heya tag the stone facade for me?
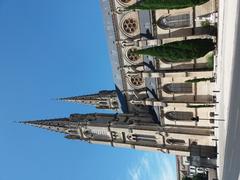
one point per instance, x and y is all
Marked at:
(157, 109)
(137, 131)
(102, 100)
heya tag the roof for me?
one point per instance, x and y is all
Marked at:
(110, 34)
(145, 32)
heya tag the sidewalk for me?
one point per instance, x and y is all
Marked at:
(228, 18)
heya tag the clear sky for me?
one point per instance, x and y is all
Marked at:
(50, 49)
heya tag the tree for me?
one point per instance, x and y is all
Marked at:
(196, 80)
(200, 177)
(210, 60)
(180, 51)
(166, 4)
(186, 178)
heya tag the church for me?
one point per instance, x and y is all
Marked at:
(158, 104)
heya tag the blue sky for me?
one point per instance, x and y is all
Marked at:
(50, 49)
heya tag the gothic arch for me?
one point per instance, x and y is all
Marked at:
(115, 104)
(173, 141)
(129, 24)
(87, 133)
(174, 21)
(72, 131)
(142, 137)
(179, 115)
(178, 88)
(126, 2)
(103, 103)
(131, 57)
(136, 81)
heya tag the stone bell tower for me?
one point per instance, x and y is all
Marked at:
(103, 100)
(136, 131)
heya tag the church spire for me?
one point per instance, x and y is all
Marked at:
(71, 125)
(127, 130)
(75, 126)
(58, 125)
(102, 100)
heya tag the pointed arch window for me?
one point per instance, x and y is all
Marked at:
(178, 88)
(141, 137)
(115, 103)
(88, 134)
(103, 103)
(179, 116)
(174, 21)
(72, 131)
(175, 141)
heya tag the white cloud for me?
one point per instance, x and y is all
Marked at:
(167, 167)
(153, 166)
(137, 171)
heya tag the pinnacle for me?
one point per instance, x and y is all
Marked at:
(57, 125)
(72, 99)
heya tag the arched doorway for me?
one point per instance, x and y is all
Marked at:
(174, 21)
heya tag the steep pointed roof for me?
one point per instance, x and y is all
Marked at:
(72, 126)
(63, 125)
(57, 125)
(90, 98)
(106, 99)
(87, 99)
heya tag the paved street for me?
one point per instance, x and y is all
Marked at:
(229, 98)
(231, 167)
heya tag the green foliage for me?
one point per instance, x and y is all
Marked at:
(200, 106)
(210, 61)
(200, 177)
(186, 178)
(166, 4)
(180, 51)
(205, 23)
(199, 80)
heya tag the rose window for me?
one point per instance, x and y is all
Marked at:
(125, 1)
(130, 25)
(136, 80)
(131, 56)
